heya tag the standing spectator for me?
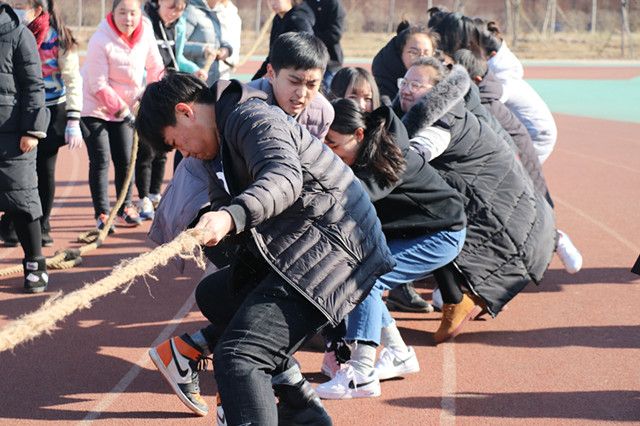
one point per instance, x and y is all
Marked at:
(329, 26)
(393, 60)
(57, 48)
(119, 53)
(204, 38)
(169, 28)
(23, 121)
(291, 16)
(231, 30)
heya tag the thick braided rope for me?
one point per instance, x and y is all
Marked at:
(43, 320)
(68, 258)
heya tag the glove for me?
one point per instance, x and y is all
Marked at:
(73, 135)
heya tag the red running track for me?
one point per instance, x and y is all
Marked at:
(566, 352)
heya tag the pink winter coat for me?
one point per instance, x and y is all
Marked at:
(114, 72)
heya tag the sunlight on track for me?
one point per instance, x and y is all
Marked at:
(448, 403)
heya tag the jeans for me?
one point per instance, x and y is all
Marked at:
(106, 139)
(415, 259)
(258, 322)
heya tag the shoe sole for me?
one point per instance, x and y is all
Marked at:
(326, 372)
(155, 357)
(10, 244)
(395, 306)
(351, 395)
(33, 290)
(470, 317)
(398, 373)
(127, 225)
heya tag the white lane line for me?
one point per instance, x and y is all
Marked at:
(595, 159)
(142, 362)
(448, 401)
(633, 247)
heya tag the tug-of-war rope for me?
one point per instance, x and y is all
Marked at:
(43, 320)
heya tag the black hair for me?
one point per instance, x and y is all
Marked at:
(298, 51)
(347, 78)
(476, 66)
(378, 151)
(157, 106)
(436, 64)
(417, 29)
(490, 35)
(65, 36)
(117, 2)
(456, 32)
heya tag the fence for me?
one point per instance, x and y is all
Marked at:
(518, 18)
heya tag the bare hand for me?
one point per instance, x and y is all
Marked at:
(214, 227)
(28, 143)
(210, 52)
(201, 74)
(223, 53)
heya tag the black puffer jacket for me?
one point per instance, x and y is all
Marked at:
(22, 112)
(510, 227)
(329, 26)
(387, 66)
(300, 19)
(310, 217)
(490, 94)
(420, 202)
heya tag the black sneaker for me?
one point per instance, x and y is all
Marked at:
(47, 241)
(179, 360)
(405, 298)
(300, 405)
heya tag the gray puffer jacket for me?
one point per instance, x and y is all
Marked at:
(510, 227)
(310, 218)
(22, 112)
(203, 29)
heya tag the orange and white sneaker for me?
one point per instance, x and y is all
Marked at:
(177, 359)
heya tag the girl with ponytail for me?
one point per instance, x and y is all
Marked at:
(424, 222)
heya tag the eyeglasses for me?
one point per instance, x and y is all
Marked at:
(417, 53)
(414, 86)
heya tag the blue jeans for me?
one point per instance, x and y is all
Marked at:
(415, 259)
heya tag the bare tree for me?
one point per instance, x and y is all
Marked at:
(625, 31)
(516, 21)
(594, 12)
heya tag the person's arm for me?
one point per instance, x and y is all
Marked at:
(267, 144)
(432, 140)
(154, 64)
(28, 72)
(96, 79)
(70, 70)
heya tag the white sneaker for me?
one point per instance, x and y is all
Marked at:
(568, 253)
(396, 364)
(155, 199)
(330, 364)
(436, 299)
(145, 209)
(348, 383)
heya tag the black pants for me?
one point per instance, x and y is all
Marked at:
(150, 167)
(450, 281)
(106, 139)
(27, 230)
(258, 322)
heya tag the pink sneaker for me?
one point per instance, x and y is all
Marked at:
(129, 218)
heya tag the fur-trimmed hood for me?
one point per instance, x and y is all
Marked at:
(440, 100)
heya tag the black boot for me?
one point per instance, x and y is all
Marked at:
(35, 274)
(300, 405)
(405, 298)
(8, 232)
(47, 241)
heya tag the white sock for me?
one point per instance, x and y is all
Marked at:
(391, 338)
(363, 357)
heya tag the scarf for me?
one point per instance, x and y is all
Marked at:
(40, 27)
(135, 36)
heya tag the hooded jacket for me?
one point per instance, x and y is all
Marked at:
(22, 112)
(510, 227)
(114, 72)
(309, 217)
(490, 93)
(387, 66)
(316, 117)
